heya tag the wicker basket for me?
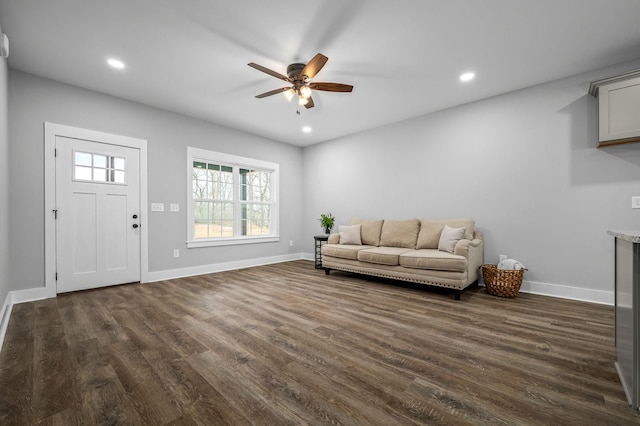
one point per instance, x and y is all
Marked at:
(502, 282)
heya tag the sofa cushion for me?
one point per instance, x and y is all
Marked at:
(449, 238)
(342, 251)
(430, 231)
(370, 231)
(400, 233)
(350, 234)
(433, 259)
(382, 255)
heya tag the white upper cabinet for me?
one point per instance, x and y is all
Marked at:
(618, 108)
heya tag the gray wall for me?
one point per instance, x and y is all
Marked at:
(4, 181)
(524, 165)
(34, 100)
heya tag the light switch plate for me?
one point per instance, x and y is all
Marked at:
(635, 202)
(157, 207)
(175, 207)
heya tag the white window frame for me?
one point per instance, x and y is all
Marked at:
(197, 154)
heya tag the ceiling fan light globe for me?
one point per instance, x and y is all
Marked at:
(288, 94)
(302, 100)
(305, 92)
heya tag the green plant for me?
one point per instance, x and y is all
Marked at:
(327, 221)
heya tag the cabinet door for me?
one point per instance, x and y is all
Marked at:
(618, 105)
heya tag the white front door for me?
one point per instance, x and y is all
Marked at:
(97, 214)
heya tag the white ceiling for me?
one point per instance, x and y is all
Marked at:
(403, 57)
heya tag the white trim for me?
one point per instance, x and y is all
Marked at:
(5, 314)
(235, 161)
(170, 274)
(51, 130)
(568, 292)
(232, 241)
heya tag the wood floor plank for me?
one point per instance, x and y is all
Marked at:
(143, 387)
(286, 344)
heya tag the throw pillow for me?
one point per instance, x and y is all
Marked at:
(350, 234)
(449, 238)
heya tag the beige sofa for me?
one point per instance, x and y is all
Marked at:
(419, 251)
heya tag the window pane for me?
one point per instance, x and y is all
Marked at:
(100, 161)
(100, 175)
(256, 219)
(200, 189)
(227, 228)
(118, 176)
(201, 216)
(199, 174)
(226, 192)
(199, 165)
(82, 173)
(82, 159)
(227, 219)
(118, 163)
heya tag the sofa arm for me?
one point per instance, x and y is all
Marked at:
(473, 250)
(463, 246)
(334, 238)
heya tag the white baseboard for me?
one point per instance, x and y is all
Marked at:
(5, 313)
(568, 292)
(220, 267)
(32, 294)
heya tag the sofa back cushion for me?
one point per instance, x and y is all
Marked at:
(400, 233)
(430, 231)
(370, 231)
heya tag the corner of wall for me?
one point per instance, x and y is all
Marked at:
(4, 195)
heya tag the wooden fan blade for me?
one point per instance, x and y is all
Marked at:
(272, 92)
(331, 87)
(270, 72)
(309, 104)
(314, 66)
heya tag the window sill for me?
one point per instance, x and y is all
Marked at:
(232, 241)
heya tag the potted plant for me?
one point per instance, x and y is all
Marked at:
(327, 221)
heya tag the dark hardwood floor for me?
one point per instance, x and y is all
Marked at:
(287, 345)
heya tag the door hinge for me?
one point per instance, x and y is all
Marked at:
(56, 276)
(55, 152)
(55, 214)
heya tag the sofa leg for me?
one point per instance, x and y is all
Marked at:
(326, 271)
(457, 294)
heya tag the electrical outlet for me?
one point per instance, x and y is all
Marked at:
(635, 202)
(176, 253)
(290, 243)
(157, 207)
(175, 207)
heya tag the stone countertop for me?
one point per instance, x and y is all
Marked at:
(627, 235)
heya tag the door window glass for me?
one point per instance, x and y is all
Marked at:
(101, 168)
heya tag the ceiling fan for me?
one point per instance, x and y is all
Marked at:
(300, 75)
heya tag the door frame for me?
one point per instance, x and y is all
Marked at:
(51, 131)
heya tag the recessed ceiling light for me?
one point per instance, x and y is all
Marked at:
(306, 129)
(116, 63)
(468, 76)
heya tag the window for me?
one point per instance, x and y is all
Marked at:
(91, 167)
(233, 199)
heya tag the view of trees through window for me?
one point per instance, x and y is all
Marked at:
(216, 204)
(256, 202)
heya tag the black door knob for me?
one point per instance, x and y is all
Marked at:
(135, 225)
(135, 216)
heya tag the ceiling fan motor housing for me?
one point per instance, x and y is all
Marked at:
(294, 71)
